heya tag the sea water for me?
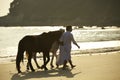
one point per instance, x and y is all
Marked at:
(86, 38)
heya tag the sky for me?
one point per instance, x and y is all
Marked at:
(4, 7)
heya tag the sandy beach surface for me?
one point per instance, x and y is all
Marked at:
(94, 67)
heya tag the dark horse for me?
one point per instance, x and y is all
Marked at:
(53, 50)
(37, 43)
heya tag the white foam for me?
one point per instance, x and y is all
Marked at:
(95, 45)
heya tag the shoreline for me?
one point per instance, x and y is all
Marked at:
(87, 52)
(86, 48)
(96, 51)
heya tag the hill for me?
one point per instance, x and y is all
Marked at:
(63, 12)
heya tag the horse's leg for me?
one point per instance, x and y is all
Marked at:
(56, 58)
(51, 63)
(45, 55)
(53, 54)
(29, 61)
(34, 57)
(27, 66)
(44, 60)
(48, 59)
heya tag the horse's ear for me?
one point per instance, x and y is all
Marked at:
(62, 30)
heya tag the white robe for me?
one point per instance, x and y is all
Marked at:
(65, 49)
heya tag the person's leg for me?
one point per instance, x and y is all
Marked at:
(64, 65)
(72, 66)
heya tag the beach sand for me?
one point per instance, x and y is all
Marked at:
(95, 67)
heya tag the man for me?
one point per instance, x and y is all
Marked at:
(65, 48)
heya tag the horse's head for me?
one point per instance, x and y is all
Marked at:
(55, 35)
(51, 36)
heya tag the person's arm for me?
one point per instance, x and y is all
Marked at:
(61, 41)
(74, 42)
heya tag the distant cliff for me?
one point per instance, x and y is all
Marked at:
(63, 12)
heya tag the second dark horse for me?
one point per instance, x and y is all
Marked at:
(36, 43)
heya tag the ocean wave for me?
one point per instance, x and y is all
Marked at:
(87, 39)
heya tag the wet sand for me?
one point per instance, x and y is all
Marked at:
(95, 67)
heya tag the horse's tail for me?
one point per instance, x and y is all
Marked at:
(20, 56)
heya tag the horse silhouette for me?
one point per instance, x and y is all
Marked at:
(53, 50)
(37, 43)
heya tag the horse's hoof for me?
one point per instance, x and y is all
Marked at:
(38, 67)
(19, 71)
(57, 66)
(45, 69)
(42, 67)
(52, 67)
(33, 70)
(28, 69)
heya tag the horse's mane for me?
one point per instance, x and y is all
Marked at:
(51, 33)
